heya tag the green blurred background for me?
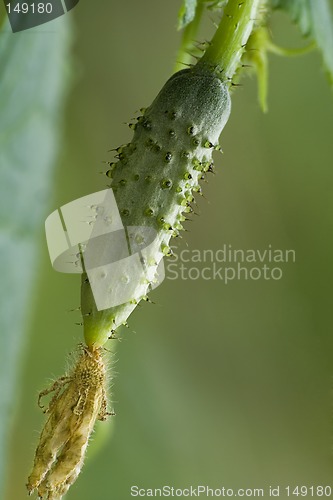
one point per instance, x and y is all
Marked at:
(225, 385)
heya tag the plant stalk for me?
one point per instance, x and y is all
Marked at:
(228, 44)
(190, 32)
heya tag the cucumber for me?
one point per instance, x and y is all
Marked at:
(157, 174)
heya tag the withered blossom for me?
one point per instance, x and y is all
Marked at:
(79, 400)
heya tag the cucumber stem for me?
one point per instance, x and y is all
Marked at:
(228, 44)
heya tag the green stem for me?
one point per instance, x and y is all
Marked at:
(291, 52)
(228, 44)
(189, 34)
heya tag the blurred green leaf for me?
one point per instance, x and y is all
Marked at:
(186, 13)
(34, 77)
(314, 18)
(299, 11)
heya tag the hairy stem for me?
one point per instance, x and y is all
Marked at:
(228, 44)
(188, 39)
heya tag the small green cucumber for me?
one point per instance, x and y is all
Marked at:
(157, 173)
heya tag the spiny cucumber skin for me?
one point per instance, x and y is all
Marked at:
(157, 172)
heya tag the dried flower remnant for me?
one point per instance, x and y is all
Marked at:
(79, 400)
